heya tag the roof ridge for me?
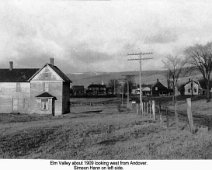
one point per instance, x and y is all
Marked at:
(17, 74)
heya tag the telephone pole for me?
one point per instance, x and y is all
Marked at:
(140, 70)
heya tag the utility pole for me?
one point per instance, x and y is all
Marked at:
(140, 70)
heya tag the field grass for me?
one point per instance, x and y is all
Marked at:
(98, 135)
(199, 107)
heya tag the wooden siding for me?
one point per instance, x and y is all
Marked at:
(46, 80)
(21, 97)
(192, 91)
(14, 97)
(55, 89)
(47, 74)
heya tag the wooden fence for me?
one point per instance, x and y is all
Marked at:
(160, 112)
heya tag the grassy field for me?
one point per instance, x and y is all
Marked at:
(107, 134)
(199, 107)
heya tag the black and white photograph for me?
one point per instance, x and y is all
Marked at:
(105, 84)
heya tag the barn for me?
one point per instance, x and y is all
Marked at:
(33, 90)
(158, 89)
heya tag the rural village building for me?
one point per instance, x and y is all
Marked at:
(78, 90)
(31, 90)
(159, 89)
(146, 90)
(192, 87)
(156, 89)
(97, 90)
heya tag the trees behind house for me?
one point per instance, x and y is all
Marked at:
(114, 84)
(174, 66)
(129, 81)
(200, 57)
(117, 87)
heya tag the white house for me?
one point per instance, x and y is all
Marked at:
(33, 90)
(192, 87)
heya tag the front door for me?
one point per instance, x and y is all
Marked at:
(53, 107)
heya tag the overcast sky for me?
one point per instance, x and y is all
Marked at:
(97, 35)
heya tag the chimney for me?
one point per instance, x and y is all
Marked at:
(157, 80)
(11, 65)
(52, 61)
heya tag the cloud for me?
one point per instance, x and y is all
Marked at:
(90, 56)
(97, 36)
(163, 36)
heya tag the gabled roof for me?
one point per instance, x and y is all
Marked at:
(60, 73)
(146, 89)
(46, 95)
(189, 81)
(159, 85)
(17, 74)
(57, 70)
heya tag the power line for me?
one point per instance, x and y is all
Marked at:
(140, 54)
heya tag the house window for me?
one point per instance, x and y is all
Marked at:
(189, 90)
(44, 104)
(156, 88)
(46, 73)
(18, 87)
(195, 90)
(46, 86)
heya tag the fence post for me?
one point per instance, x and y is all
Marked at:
(153, 109)
(150, 108)
(189, 113)
(147, 108)
(144, 105)
(160, 113)
(137, 109)
(167, 118)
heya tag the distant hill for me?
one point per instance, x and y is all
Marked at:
(148, 77)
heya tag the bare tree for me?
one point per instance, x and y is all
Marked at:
(200, 57)
(129, 83)
(114, 84)
(174, 66)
